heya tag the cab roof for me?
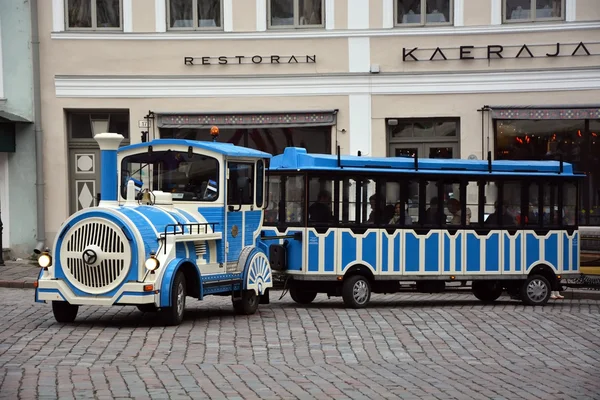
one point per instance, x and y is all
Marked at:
(226, 149)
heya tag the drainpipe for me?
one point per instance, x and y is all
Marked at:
(39, 134)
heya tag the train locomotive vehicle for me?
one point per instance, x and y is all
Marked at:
(176, 218)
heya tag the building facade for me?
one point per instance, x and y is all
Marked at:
(437, 78)
(17, 136)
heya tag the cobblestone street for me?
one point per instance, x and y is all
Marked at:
(403, 346)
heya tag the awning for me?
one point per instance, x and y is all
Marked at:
(236, 120)
(545, 112)
(5, 116)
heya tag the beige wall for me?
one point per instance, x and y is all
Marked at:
(477, 12)
(341, 14)
(375, 14)
(144, 17)
(588, 10)
(244, 16)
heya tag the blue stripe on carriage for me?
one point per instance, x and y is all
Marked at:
(349, 249)
(492, 253)
(551, 250)
(447, 253)
(432, 253)
(330, 251)
(313, 252)
(369, 244)
(473, 253)
(532, 249)
(412, 253)
(565, 252)
(384, 252)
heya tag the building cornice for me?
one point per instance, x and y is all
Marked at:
(327, 84)
(315, 34)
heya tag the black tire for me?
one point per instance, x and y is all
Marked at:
(174, 315)
(356, 291)
(248, 304)
(64, 312)
(147, 308)
(487, 291)
(535, 291)
(302, 296)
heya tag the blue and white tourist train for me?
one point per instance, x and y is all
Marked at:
(176, 218)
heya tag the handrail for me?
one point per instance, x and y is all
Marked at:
(197, 225)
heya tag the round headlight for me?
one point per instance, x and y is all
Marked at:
(45, 260)
(152, 264)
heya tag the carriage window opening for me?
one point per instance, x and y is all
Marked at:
(401, 203)
(433, 214)
(551, 214)
(272, 209)
(320, 192)
(260, 182)
(367, 201)
(503, 204)
(569, 192)
(294, 199)
(187, 178)
(240, 188)
(472, 204)
(533, 214)
(453, 204)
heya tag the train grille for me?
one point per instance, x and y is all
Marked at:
(95, 255)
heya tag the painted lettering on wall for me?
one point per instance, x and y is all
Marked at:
(236, 60)
(493, 52)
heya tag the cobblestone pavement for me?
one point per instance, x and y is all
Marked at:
(405, 346)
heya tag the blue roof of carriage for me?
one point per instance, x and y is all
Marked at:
(295, 158)
(227, 149)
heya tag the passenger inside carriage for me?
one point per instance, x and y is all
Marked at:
(320, 211)
(397, 215)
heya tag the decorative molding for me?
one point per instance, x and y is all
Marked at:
(246, 119)
(327, 84)
(228, 15)
(160, 7)
(261, 16)
(496, 17)
(323, 33)
(359, 114)
(359, 54)
(551, 113)
(127, 16)
(388, 14)
(329, 14)
(459, 12)
(358, 14)
(58, 15)
(571, 10)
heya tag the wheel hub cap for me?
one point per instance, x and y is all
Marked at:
(536, 290)
(360, 292)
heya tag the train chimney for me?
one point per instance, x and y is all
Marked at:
(109, 143)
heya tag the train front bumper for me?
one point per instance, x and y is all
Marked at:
(130, 293)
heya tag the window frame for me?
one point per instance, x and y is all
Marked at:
(424, 22)
(296, 24)
(532, 17)
(230, 198)
(94, 17)
(194, 19)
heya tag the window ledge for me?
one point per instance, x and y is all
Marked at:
(511, 28)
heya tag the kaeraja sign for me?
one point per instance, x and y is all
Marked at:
(271, 59)
(493, 52)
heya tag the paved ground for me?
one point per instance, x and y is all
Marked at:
(403, 346)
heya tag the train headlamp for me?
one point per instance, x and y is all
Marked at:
(152, 263)
(45, 260)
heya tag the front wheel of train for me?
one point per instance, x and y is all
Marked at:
(248, 304)
(535, 291)
(302, 296)
(64, 312)
(173, 315)
(356, 291)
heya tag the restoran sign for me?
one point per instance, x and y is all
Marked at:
(236, 60)
(493, 52)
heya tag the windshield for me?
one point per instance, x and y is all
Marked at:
(194, 178)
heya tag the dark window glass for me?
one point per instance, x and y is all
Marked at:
(187, 178)
(424, 128)
(320, 200)
(108, 13)
(260, 174)
(271, 140)
(274, 196)
(79, 13)
(240, 189)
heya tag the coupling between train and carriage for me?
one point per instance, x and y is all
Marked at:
(182, 218)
